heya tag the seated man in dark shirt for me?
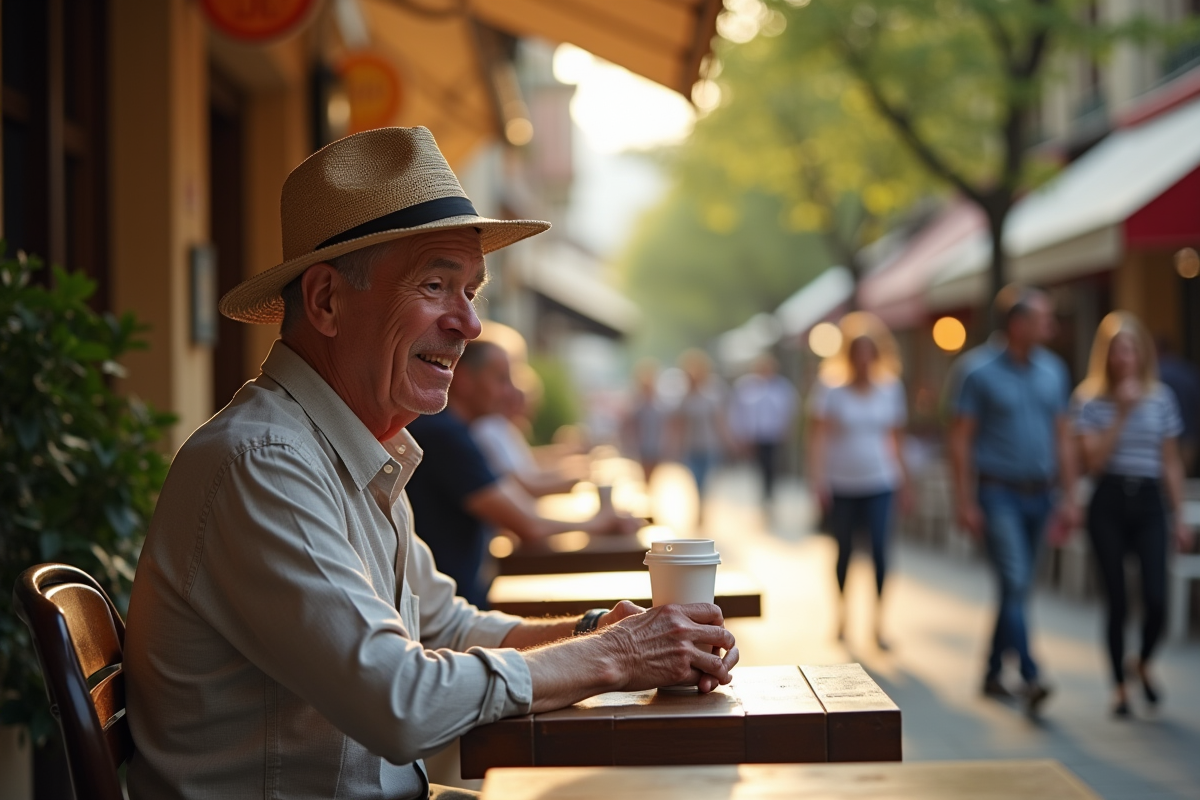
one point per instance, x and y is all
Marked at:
(457, 499)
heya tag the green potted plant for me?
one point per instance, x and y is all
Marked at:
(80, 467)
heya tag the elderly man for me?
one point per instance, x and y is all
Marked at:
(457, 497)
(1010, 430)
(288, 634)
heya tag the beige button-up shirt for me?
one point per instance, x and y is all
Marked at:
(288, 634)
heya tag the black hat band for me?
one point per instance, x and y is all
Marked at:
(411, 217)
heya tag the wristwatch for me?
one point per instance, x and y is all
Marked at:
(588, 622)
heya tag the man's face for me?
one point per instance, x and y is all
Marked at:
(1036, 327)
(406, 333)
(493, 383)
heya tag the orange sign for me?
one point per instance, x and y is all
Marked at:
(373, 88)
(257, 20)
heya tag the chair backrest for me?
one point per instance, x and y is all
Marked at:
(79, 638)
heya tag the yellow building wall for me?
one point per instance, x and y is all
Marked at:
(278, 138)
(159, 196)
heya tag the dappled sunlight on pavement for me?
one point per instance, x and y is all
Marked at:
(938, 615)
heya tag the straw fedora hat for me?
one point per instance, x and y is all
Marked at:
(368, 188)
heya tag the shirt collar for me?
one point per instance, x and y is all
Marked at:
(363, 455)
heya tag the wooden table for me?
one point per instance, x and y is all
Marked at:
(738, 594)
(954, 780)
(767, 715)
(576, 552)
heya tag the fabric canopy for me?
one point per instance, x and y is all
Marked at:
(663, 40)
(815, 301)
(571, 278)
(1076, 224)
(440, 49)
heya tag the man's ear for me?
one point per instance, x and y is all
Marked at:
(322, 284)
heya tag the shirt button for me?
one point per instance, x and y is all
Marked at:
(401, 448)
(387, 468)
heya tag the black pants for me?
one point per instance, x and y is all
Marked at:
(850, 514)
(1127, 514)
(767, 456)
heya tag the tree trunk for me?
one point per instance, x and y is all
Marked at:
(856, 269)
(998, 269)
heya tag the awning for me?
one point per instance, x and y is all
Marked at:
(663, 40)
(450, 88)
(1079, 222)
(743, 344)
(571, 279)
(896, 291)
(815, 301)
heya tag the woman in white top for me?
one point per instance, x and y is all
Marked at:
(856, 465)
(1128, 426)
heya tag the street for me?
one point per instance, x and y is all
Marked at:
(938, 618)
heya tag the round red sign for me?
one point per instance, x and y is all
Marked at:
(373, 88)
(257, 20)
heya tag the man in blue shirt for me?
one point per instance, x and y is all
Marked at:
(1010, 430)
(456, 498)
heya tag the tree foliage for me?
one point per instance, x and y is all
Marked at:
(700, 265)
(80, 467)
(957, 82)
(797, 124)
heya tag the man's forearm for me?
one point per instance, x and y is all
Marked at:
(533, 632)
(959, 468)
(568, 671)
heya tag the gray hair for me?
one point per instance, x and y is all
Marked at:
(355, 267)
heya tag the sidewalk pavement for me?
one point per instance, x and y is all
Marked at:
(938, 618)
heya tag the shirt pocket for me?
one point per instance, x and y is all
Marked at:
(410, 615)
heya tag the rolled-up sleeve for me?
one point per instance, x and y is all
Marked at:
(275, 574)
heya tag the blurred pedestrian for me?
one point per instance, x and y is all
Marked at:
(1128, 423)
(644, 424)
(501, 436)
(457, 497)
(1183, 379)
(1011, 430)
(760, 417)
(698, 422)
(857, 414)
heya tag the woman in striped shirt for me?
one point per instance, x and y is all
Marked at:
(1128, 425)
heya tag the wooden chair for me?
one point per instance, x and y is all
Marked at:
(79, 637)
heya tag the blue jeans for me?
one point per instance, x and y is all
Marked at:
(700, 463)
(1015, 524)
(849, 514)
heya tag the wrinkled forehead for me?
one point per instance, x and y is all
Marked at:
(459, 251)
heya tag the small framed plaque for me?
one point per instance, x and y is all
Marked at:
(204, 294)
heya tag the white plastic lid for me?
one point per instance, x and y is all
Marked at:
(699, 552)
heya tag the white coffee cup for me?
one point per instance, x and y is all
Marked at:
(683, 571)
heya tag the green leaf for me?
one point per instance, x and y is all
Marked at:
(89, 351)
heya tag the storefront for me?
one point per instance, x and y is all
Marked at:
(146, 143)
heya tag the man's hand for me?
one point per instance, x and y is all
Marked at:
(970, 518)
(823, 495)
(610, 521)
(673, 644)
(620, 611)
(1184, 535)
(633, 649)
(1066, 519)
(906, 497)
